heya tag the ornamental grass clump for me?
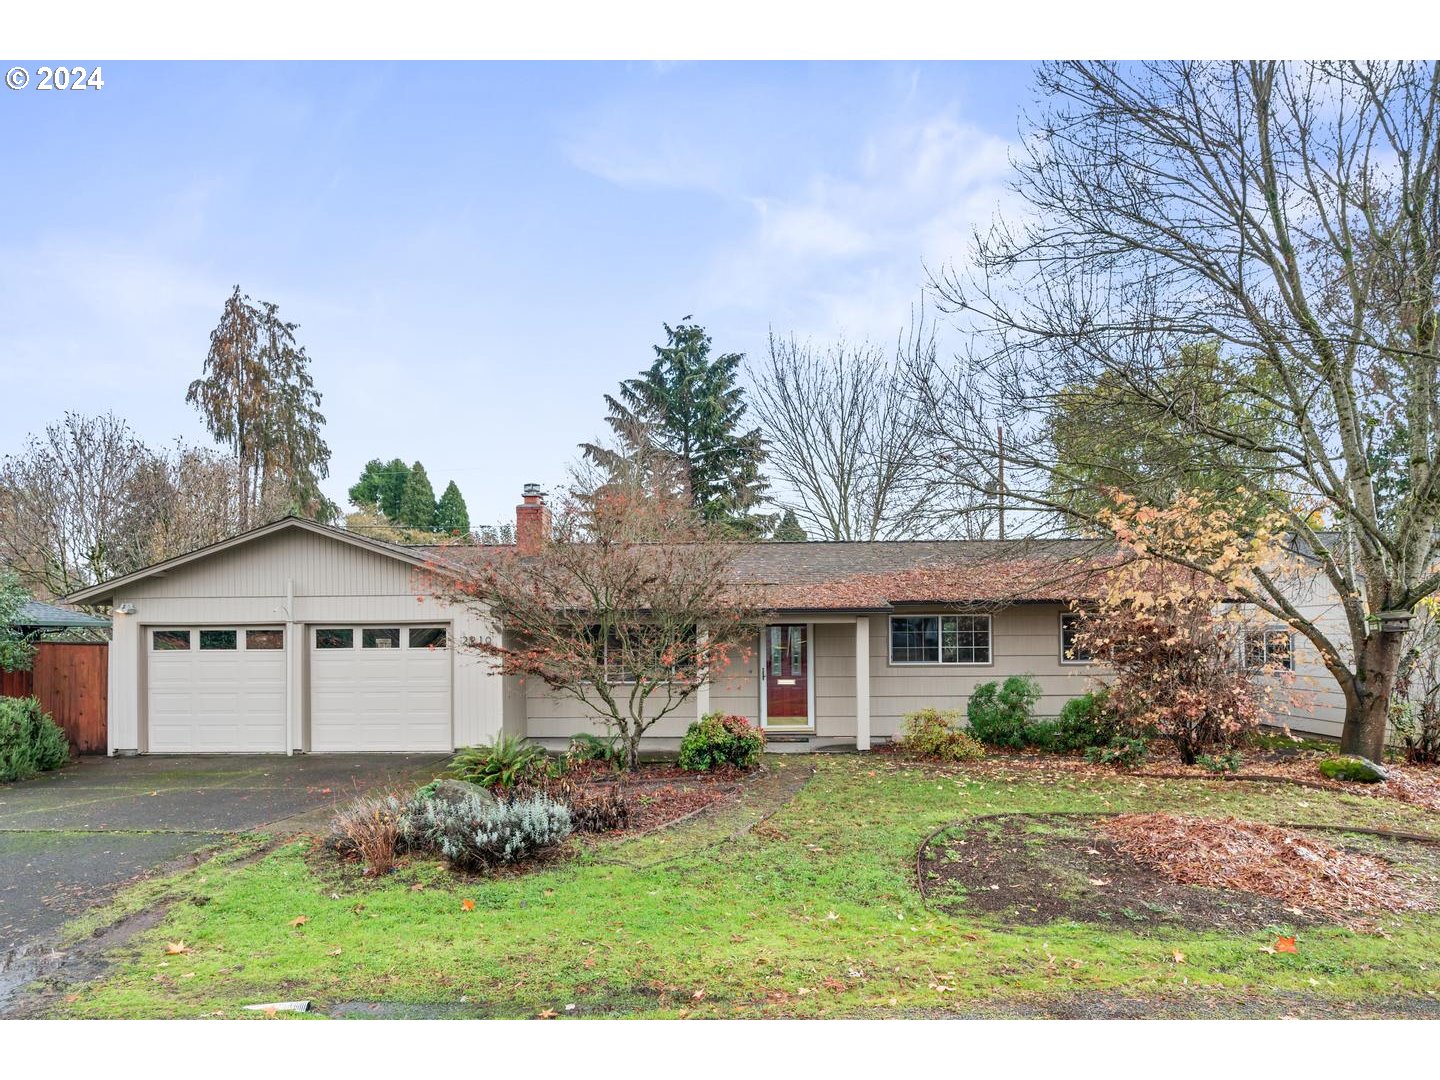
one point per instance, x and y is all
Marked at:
(369, 830)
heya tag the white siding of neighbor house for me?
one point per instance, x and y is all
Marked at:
(1309, 699)
(331, 582)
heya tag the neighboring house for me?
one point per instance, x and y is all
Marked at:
(37, 618)
(300, 637)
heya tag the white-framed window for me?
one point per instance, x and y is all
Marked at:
(940, 639)
(1270, 650)
(1071, 623)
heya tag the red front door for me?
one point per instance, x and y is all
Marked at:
(787, 676)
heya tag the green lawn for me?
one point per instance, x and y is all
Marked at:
(812, 912)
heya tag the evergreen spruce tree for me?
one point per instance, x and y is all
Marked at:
(417, 504)
(789, 530)
(451, 515)
(686, 411)
(381, 485)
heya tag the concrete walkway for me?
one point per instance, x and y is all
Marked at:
(69, 838)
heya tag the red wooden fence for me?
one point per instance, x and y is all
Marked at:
(72, 681)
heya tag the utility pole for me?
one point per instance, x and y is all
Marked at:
(1000, 443)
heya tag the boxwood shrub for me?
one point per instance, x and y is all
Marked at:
(30, 742)
(716, 740)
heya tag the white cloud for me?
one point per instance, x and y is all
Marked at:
(847, 252)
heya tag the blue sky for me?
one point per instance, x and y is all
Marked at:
(475, 252)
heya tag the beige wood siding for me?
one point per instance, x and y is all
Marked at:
(301, 579)
(1024, 640)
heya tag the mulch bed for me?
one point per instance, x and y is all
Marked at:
(1299, 870)
(654, 807)
(655, 772)
(1030, 870)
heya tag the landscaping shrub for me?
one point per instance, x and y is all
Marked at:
(1358, 769)
(931, 733)
(369, 829)
(1415, 730)
(1122, 751)
(999, 715)
(1084, 722)
(588, 747)
(474, 833)
(1173, 653)
(30, 742)
(598, 808)
(507, 763)
(1221, 763)
(717, 739)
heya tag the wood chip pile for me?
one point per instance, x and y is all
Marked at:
(1225, 853)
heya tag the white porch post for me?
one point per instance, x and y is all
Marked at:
(702, 692)
(862, 682)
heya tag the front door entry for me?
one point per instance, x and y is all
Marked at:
(787, 676)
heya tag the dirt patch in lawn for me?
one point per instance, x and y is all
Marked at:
(1032, 870)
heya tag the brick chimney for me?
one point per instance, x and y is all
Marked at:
(532, 521)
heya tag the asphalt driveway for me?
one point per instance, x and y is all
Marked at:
(68, 839)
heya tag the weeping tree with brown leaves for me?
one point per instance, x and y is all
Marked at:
(1285, 216)
(628, 608)
(257, 398)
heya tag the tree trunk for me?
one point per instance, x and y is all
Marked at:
(632, 752)
(1367, 704)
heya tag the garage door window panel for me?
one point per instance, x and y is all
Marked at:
(171, 640)
(386, 638)
(342, 638)
(263, 640)
(218, 640)
(427, 637)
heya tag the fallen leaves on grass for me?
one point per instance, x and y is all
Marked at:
(1227, 853)
(175, 948)
(547, 1014)
(1285, 944)
(467, 905)
(300, 920)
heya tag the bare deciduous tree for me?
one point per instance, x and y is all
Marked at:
(87, 500)
(63, 501)
(1289, 213)
(848, 444)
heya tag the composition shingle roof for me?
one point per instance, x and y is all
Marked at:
(870, 576)
(36, 613)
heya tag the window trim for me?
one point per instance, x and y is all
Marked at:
(188, 631)
(1288, 668)
(1065, 661)
(989, 639)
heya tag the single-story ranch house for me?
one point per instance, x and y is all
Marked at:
(299, 637)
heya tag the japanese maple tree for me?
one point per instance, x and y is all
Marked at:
(629, 607)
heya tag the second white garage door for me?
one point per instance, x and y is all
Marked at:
(382, 688)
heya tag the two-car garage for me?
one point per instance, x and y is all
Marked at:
(297, 637)
(370, 688)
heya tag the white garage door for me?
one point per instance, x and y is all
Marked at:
(216, 690)
(379, 688)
